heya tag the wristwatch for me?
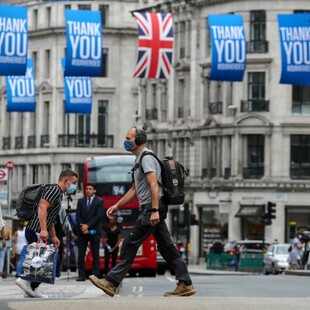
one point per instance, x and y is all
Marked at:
(154, 210)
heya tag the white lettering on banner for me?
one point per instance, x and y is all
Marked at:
(87, 47)
(22, 87)
(297, 52)
(228, 32)
(84, 28)
(12, 25)
(15, 44)
(230, 51)
(295, 33)
(79, 88)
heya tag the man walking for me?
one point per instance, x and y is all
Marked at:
(89, 215)
(151, 220)
(44, 219)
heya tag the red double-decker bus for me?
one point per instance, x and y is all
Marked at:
(112, 177)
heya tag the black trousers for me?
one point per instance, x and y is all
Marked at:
(83, 241)
(137, 236)
(107, 256)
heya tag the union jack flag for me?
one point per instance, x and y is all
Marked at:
(155, 45)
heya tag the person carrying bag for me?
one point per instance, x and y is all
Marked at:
(38, 262)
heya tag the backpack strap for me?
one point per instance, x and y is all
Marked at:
(159, 161)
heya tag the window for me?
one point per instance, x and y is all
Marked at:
(102, 121)
(258, 43)
(46, 117)
(34, 63)
(255, 150)
(255, 156)
(256, 85)
(86, 7)
(163, 103)
(216, 93)
(105, 58)
(47, 64)
(104, 14)
(301, 100)
(67, 6)
(83, 129)
(66, 122)
(48, 17)
(300, 157)
(182, 39)
(301, 11)
(151, 109)
(256, 93)
(181, 92)
(35, 19)
(79, 168)
(35, 174)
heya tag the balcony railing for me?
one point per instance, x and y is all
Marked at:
(253, 172)
(45, 141)
(6, 143)
(32, 142)
(216, 107)
(204, 173)
(19, 142)
(151, 114)
(300, 173)
(257, 46)
(85, 140)
(255, 105)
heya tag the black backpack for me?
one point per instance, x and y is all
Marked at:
(28, 200)
(173, 176)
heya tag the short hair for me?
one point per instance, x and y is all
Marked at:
(67, 173)
(91, 184)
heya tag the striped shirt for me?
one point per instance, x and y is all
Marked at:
(53, 194)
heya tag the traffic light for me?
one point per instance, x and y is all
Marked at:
(265, 219)
(271, 210)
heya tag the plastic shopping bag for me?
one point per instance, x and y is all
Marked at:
(39, 263)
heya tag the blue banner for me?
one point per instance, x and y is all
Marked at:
(13, 40)
(78, 94)
(294, 31)
(228, 47)
(84, 43)
(21, 91)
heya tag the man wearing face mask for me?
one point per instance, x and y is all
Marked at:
(151, 220)
(42, 224)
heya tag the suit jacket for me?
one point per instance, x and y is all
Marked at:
(92, 217)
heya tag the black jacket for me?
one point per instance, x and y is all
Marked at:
(92, 217)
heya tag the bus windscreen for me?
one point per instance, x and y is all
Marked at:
(112, 175)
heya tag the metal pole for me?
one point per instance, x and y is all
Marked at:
(187, 225)
(9, 183)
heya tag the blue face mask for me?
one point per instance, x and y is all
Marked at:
(128, 145)
(71, 189)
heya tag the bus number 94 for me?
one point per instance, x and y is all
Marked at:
(118, 190)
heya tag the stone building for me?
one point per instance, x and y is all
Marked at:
(41, 144)
(244, 143)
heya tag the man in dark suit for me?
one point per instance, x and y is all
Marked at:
(89, 214)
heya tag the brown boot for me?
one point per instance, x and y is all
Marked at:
(104, 285)
(181, 290)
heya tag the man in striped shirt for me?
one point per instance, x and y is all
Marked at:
(42, 223)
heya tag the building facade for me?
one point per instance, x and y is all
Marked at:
(243, 143)
(41, 144)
